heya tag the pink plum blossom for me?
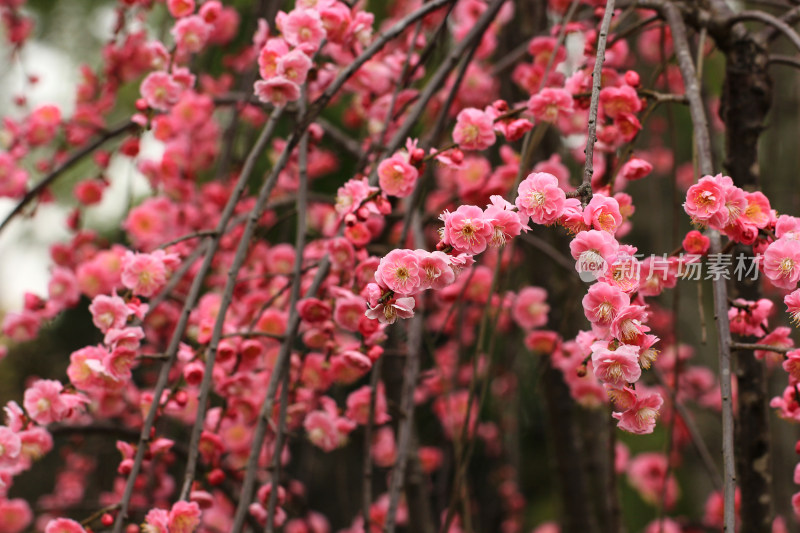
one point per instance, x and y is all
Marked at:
(397, 176)
(10, 446)
(540, 198)
(781, 263)
(277, 91)
(399, 270)
(617, 367)
(474, 130)
(530, 308)
(640, 418)
(302, 28)
(467, 229)
(549, 104)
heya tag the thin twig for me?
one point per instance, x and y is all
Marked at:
(266, 407)
(405, 427)
(585, 188)
(437, 80)
(205, 387)
(276, 452)
(761, 347)
(66, 165)
(694, 433)
(366, 484)
(705, 163)
(191, 299)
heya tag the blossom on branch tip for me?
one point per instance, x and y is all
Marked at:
(540, 198)
(474, 130)
(617, 367)
(466, 229)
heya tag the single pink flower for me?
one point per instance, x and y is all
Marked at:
(592, 250)
(602, 213)
(602, 303)
(617, 367)
(696, 243)
(302, 28)
(156, 521)
(704, 199)
(540, 198)
(191, 33)
(144, 274)
(44, 402)
(277, 91)
(530, 308)
(10, 446)
(435, 270)
(184, 517)
(389, 312)
(466, 229)
(640, 418)
(160, 91)
(734, 205)
(757, 212)
(635, 169)
(550, 104)
(396, 176)
(321, 430)
(294, 66)
(384, 447)
(180, 8)
(270, 56)
(792, 365)
(474, 130)
(781, 263)
(109, 312)
(792, 301)
(618, 100)
(506, 222)
(399, 271)
(780, 338)
(358, 405)
(627, 326)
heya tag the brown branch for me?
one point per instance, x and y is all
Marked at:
(366, 483)
(191, 299)
(205, 386)
(597, 77)
(766, 18)
(703, 142)
(406, 424)
(66, 165)
(276, 452)
(694, 433)
(778, 59)
(762, 347)
(437, 80)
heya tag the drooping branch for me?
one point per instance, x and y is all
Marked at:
(405, 428)
(246, 494)
(205, 386)
(180, 327)
(705, 163)
(438, 79)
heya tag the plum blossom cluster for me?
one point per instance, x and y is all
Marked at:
(176, 302)
(284, 61)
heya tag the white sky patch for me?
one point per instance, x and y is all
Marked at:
(57, 74)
